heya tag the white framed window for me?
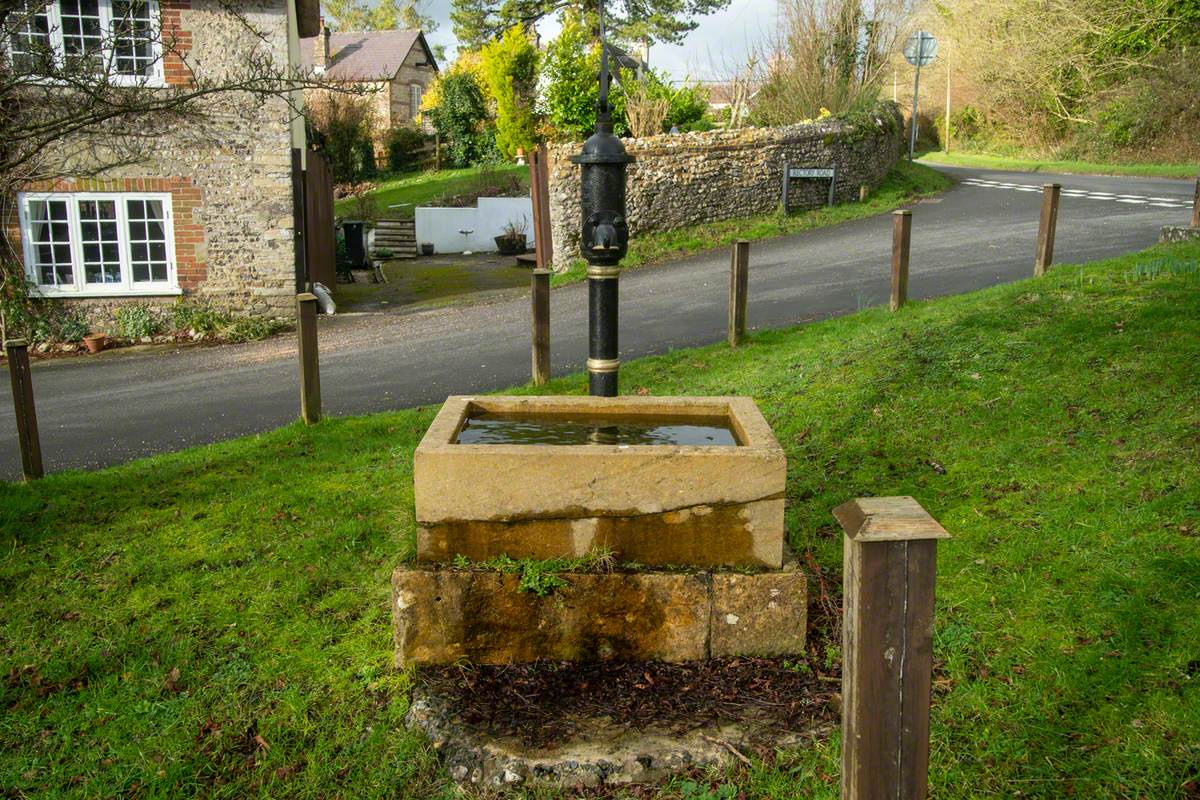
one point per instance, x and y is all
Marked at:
(414, 100)
(121, 36)
(98, 244)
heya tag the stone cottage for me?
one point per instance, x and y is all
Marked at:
(394, 67)
(210, 211)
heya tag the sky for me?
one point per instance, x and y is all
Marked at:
(711, 52)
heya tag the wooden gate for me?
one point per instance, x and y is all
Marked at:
(319, 251)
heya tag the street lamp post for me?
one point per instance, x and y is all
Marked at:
(604, 237)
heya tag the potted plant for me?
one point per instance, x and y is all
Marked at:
(511, 242)
(94, 342)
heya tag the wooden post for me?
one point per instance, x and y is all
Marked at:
(1049, 220)
(787, 171)
(22, 391)
(862, 193)
(1196, 205)
(310, 371)
(539, 194)
(541, 325)
(889, 569)
(739, 280)
(901, 238)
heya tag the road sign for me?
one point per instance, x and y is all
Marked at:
(920, 48)
(790, 172)
(810, 172)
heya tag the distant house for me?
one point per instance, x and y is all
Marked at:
(397, 65)
(724, 94)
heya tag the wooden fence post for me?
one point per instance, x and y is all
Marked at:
(310, 371)
(539, 194)
(1196, 205)
(739, 280)
(541, 325)
(1049, 220)
(901, 239)
(862, 193)
(889, 569)
(22, 391)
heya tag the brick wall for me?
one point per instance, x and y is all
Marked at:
(686, 179)
(177, 41)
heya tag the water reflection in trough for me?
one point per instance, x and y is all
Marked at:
(485, 428)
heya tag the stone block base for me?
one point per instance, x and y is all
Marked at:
(736, 535)
(442, 616)
(1173, 233)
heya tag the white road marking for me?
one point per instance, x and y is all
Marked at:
(1087, 194)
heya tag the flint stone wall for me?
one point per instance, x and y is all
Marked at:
(1175, 233)
(678, 180)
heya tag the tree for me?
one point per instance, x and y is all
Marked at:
(385, 15)
(458, 112)
(343, 127)
(827, 55)
(476, 21)
(510, 70)
(571, 89)
(1037, 69)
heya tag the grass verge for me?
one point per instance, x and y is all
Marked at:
(987, 161)
(905, 183)
(215, 622)
(422, 188)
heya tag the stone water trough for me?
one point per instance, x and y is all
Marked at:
(685, 494)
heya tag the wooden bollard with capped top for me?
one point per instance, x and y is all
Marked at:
(1046, 226)
(889, 569)
(739, 282)
(1196, 205)
(540, 291)
(28, 440)
(901, 239)
(310, 371)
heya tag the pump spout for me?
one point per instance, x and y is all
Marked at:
(604, 238)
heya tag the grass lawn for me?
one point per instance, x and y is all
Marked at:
(905, 183)
(986, 161)
(421, 187)
(215, 622)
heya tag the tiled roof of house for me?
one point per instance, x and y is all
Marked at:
(720, 94)
(363, 55)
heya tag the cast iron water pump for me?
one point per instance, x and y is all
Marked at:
(605, 234)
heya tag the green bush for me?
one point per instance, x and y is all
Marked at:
(572, 92)
(460, 118)
(199, 317)
(701, 125)
(404, 145)
(247, 329)
(688, 105)
(510, 69)
(72, 325)
(342, 128)
(136, 321)
(17, 306)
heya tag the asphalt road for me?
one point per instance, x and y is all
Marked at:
(105, 410)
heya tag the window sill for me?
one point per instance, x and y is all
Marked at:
(56, 294)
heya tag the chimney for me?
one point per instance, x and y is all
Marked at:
(321, 48)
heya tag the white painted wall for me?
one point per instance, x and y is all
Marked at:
(442, 225)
